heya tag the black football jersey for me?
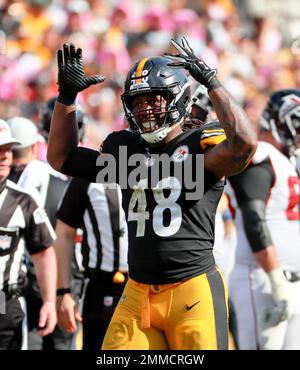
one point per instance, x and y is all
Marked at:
(171, 229)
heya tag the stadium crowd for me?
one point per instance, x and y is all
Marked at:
(252, 53)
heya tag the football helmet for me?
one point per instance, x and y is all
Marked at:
(201, 104)
(166, 93)
(281, 116)
(46, 114)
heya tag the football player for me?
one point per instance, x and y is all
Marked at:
(175, 297)
(45, 120)
(265, 282)
(225, 235)
(46, 114)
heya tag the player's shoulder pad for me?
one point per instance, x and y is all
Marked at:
(261, 154)
(212, 133)
(117, 138)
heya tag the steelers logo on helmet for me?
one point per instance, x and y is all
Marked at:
(281, 116)
(156, 98)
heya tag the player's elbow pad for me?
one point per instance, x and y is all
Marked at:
(255, 225)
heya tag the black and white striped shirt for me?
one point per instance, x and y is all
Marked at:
(22, 224)
(98, 211)
(42, 182)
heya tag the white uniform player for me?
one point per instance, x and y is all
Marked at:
(258, 294)
(249, 287)
(225, 238)
(224, 252)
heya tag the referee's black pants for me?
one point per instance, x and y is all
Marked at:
(101, 298)
(57, 340)
(11, 325)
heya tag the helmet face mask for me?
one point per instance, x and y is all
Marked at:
(156, 97)
(281, 117)
(149, 111)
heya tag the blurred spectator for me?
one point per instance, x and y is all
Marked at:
(244, 42)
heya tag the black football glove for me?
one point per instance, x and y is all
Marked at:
(71, 76)
(196, 67)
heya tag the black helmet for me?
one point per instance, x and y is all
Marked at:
(46, 115)
(153, 75)
(281, 116)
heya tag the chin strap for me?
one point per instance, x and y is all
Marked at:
(158, 135)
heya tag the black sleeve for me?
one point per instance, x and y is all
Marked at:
(252, 188)
(254, 182)
(38, 233)
(82, 162)
(73, 203)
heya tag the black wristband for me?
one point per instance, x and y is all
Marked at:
(66, 100)
(63, 291)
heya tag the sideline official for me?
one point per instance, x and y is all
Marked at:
(22, 224)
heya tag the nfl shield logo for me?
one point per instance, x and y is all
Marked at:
(108, 301)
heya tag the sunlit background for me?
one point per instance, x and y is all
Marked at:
(254, 44)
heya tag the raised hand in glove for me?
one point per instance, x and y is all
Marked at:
(71, 76)
(196, 67)
(282, 309)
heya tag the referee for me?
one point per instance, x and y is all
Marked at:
(47, 187)
(98, 211)
(22, 224)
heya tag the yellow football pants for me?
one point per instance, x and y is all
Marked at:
(183, 316)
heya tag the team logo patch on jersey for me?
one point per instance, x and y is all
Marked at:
(181, 153)
(5, 241)
(108, 301)
(40, 216)
(8, 240)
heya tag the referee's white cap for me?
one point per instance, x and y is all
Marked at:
(5, 134)
(24, 131)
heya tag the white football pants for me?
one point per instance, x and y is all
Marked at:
(250, 292)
